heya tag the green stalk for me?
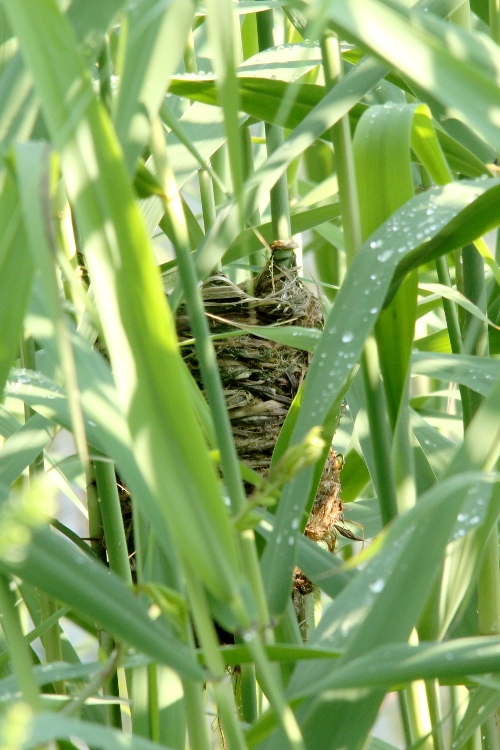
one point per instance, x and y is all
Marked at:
(248, 693)
(190, 62)
(154, 714)
(28, 360)
(256, 258)
(405, 716)
(280, 204)
(340, 135)
(110, 680)
(449, 307)
(435, 713)
(52, 637)
(207, 199)
(196, 719)
(207, 637)
(419, 716)
(112, 520)
(488, 588)
(475, 290)
(494, 14)
(117, 553)
(220, 168)
(94, 511)
(383, 480)
(22, 665)
(104, 63)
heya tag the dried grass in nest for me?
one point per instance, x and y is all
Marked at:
(261, 378)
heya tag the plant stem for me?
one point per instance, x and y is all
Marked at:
(119, 563)
(208, 638)
(196, 719)
(419, 715)
(488, 588)
(207, 199)
(220, 168)
(434, 703)
(383, 480)
(52, 637)
(94, 511)
(340, 135)
(280, 204)
(449, 307)
(112, 520)
(190, 62)
(494, 13)
(477, 343)
(104, 63)
(248, 693)
(19, 650)
(28, 360)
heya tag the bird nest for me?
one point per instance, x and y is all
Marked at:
(261, 378)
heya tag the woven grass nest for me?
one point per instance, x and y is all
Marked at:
(261, 378)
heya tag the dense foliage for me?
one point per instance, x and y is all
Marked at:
(153, 145)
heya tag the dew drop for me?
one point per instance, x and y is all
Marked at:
(347, 337)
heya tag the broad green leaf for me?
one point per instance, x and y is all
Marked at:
(382, 151)
(262, 98)
(60, 570)
(319, 565)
